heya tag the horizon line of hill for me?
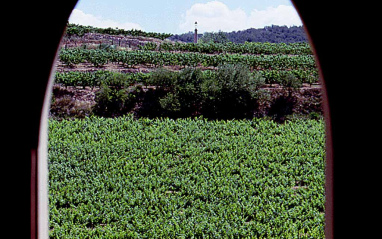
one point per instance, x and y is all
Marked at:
(271, 34)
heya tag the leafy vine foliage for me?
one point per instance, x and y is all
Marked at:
(186, 178)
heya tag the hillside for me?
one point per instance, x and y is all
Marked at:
(272, 34)
(153, 77)
(77, 34)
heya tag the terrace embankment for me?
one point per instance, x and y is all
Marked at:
(276, 101)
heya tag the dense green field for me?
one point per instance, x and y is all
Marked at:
(186, 178)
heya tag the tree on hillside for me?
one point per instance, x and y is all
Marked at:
(215, 37)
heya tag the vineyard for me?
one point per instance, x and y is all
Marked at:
(278, 66)
(186, 178)
(96, 78)
(150, 138)
(99, 58)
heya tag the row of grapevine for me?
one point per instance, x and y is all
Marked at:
(96, 78)
(130, 58)
(246, 48)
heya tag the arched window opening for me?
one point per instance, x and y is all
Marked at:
(152, 134)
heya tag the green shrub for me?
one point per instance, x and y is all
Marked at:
(115, 97)
(290, 82)
(162, 78)
(182, 91)
(231, 93)
(188, 89)
(170, 103)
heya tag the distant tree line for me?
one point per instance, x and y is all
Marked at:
(80, 30)
(272, 34)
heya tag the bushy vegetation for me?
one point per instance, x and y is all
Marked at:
(183, 94)
(230, 92)
(186, 178)
(115, 97)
